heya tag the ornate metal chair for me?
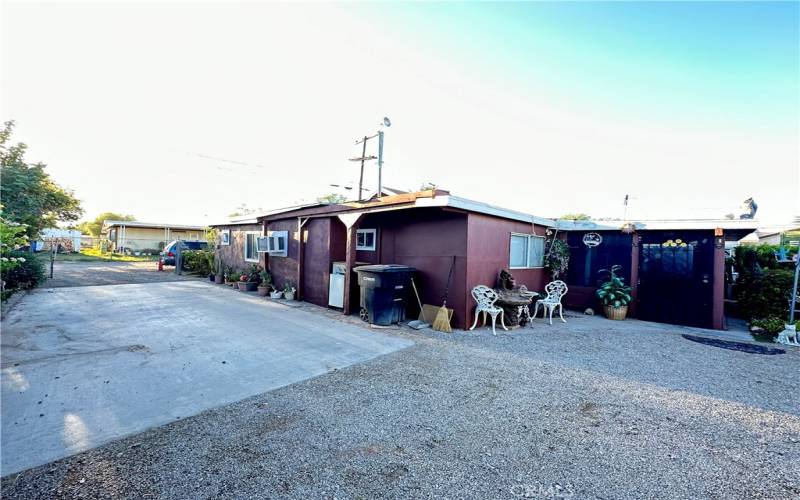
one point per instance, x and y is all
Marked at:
(554, 290)
(486, 297)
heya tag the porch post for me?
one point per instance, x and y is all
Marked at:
(351, 222)
(301, 257)
(718, 295)
(634, 272)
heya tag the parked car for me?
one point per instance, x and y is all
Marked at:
(168, 254)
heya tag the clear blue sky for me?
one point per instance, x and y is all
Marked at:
(712, 61)
(547, 108)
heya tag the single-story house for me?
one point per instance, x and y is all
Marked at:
(147, 236)
(676, 268)
(428, 230)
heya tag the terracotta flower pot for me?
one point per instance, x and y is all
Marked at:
(263, 291)
(219, 279)
(247, 286)
(616, 313)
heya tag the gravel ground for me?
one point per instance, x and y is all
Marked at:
(591, 409)
(66, 273)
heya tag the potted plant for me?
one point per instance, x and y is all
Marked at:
(248, 281)
(275, 294)
(231, 277)
(288, 290)
(614, 295)
(266, 283)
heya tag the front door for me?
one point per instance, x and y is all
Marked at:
(676, 277)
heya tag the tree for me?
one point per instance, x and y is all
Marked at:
(29, 195)
(576, 216)
(94, 227)
(332, 199)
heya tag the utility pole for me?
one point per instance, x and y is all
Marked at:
(362, 159)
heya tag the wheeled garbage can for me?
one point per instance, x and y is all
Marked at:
(384, 291)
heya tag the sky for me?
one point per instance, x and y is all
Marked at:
(186, 112)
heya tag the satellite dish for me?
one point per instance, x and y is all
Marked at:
(386, 122)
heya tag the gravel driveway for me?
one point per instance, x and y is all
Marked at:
(591, 409)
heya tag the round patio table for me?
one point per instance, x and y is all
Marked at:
(515, 307)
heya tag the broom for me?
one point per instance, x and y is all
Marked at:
(442, 321)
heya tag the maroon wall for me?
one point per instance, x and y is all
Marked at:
(426, 239)
(233, 255)
(284, 268)
(488, 252)
(317, 262)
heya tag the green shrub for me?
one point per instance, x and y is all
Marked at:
(613, 292)
(198, 261)
(766, 294)
(557, 258)
(27, 273)
(771, 325)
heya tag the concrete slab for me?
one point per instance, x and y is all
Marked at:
(83, 366)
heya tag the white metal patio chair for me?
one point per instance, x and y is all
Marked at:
(554, 290)
(486, 297)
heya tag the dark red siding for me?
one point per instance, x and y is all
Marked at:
(317, 262)
(284, 269)
(426, 239)
(488, 253)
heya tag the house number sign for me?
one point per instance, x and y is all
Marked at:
(592, 239)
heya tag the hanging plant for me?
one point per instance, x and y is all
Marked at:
(557, 258)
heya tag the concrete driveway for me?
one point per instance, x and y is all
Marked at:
(85, 365)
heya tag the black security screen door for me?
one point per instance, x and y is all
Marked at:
(676, 276)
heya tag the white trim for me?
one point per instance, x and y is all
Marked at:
(222, 240)
(482, 208)
(527, 255)
(274, 236)
(374, 239)
(255, 250)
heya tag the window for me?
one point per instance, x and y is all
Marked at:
(275, 243)
(225, 237)
(365, 239)
(527, 251)
(250, 240)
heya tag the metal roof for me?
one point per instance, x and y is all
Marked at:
(153, 225)
(660, 224)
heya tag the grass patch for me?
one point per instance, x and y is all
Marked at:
(94, 255)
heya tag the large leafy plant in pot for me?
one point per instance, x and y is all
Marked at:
(614, 295)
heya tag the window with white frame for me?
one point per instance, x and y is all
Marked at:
(225, 237)
(527, 251)
(275, 243)
(365, 239)
(250, 246)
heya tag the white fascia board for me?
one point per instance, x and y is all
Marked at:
(482, 208)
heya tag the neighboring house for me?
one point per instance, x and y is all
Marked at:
(68, 239)
(136, 236)
(788, 234)
(676, 268)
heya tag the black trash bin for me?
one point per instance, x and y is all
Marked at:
(384, 291)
